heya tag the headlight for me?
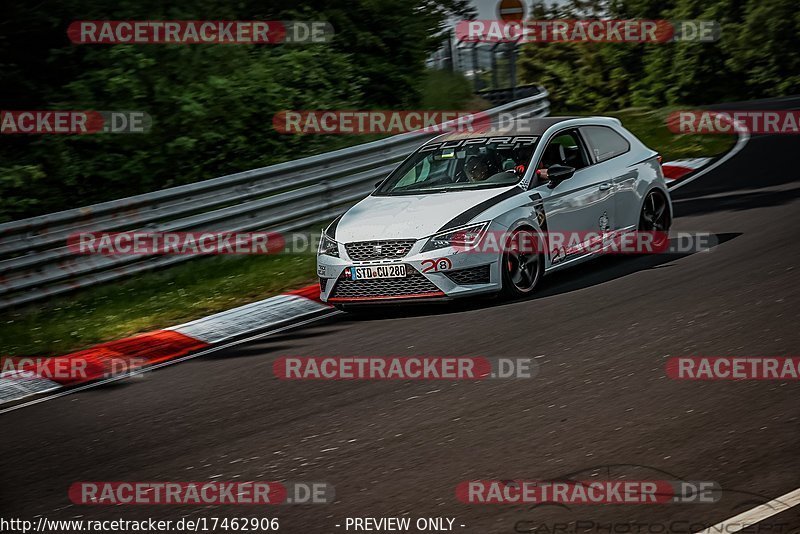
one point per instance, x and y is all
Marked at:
(328, 246)
(463, 238)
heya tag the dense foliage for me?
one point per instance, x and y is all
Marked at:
(757, 55)
(211, 105)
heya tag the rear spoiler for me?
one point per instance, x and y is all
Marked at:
(612, 119)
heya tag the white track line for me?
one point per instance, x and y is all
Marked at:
(744, 137)
(164, 364)
(756, 515)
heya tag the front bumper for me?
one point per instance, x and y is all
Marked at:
(437, 274)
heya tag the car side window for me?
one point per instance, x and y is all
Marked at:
(604, 142)
(564, 149)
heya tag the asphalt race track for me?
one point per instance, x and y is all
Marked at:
(601, 403)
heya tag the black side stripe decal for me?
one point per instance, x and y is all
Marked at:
(474, 211)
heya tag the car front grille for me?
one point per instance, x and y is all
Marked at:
(378, 250)
(473, 275)
(414, 284)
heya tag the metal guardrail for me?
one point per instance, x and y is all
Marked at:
(508, 94)
(35, 262)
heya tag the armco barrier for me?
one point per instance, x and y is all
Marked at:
(35, 262)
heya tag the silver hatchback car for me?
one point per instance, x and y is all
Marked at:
(448, 221)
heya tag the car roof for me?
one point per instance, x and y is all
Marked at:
(523, 127)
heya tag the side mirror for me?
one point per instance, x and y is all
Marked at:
(378, 184)
(559, 173)
(554, 175)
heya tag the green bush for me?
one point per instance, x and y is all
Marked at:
(444, 90)
(757, 56)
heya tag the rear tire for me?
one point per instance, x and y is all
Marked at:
(655, 217)
(521, 267)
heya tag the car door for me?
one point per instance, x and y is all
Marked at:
(611, 151)
(580, 207)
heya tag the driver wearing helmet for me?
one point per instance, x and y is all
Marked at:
(479, 167)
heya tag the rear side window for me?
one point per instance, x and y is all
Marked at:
(604, 142)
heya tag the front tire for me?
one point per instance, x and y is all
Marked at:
(522, 265)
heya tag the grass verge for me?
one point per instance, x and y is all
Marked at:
(149, 301)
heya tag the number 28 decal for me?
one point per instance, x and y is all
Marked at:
(437, 265)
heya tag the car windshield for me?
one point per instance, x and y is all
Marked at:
(463, 164)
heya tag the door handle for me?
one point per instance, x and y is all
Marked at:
(605, 187)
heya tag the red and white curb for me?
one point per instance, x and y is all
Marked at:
(151, 348)
(682, 172)
(272, 311)
(704, 167)
(675, 170)
(15, 385)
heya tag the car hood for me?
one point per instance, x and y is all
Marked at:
(408, 216)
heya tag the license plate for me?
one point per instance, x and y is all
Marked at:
(378, 271)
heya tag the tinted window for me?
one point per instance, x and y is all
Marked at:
(564, 149)
(604, 142)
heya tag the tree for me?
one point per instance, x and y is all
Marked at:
(211, 105)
